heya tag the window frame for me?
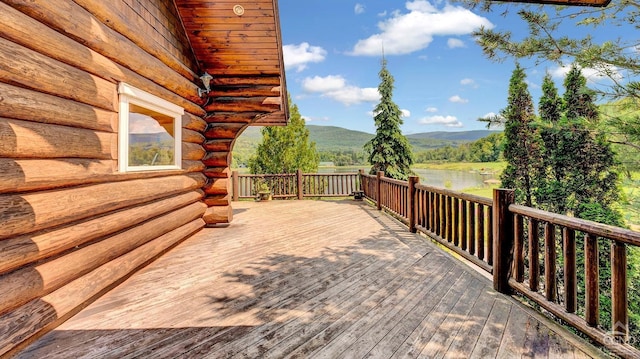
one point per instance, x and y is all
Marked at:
(130, 95)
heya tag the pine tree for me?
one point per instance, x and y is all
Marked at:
(591, 178)
(551, 192)
(389, 151)
(285, 149)
(522, 144)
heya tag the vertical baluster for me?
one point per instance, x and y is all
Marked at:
(619, 310)
(550, 261)
(592, 291)
(472, 220)
(570, 275)
(441, 206)
(455, 225)
(489, 224)
(518, 249)
(448, 216)
(480, 232)
(463, 225)
(534, 260)
(432, 211)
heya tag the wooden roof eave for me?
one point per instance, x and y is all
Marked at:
(243, 53)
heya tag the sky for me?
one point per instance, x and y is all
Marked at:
(333, 51)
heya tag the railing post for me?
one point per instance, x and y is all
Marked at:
(360, 181)
(619, 307)
(379, 189)
(235, 182)
(502, 239)
(300, 188)
(411, 203)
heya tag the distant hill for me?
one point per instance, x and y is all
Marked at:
(333, 138)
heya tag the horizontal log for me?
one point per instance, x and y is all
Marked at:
(193, 166)
(192, 151)
(20, 28)
(218, 186)
(29, 283)
(18, 251)
(217, 159)
(20, 327)
(23, 104)
(218, 215)
(224, 130)
(246, 91)
(231, 117)
(278, 118)
(193, 122)
(218, 145)
(22, 66)
(21, 175)
(242, 105)
(218, 200)
(30, 212)
(192, 136)
(110, 13)
(25, 139)
(217, 172)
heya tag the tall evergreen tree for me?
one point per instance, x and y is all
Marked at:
(389, 151)
(591, 179)
(285, 149)
(522, 144)
(551, 193)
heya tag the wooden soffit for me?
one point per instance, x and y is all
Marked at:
(238, 42)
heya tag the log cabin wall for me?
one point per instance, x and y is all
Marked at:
(72, 225)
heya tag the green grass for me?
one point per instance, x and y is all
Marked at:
(464, 166)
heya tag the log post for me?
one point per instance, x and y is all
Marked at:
(591, 282)
(235, 182)
(300, 184)
(361, 182)
(379, 176)
(411, 203)
(503, 227)
(619, 315)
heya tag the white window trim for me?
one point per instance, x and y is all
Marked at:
(129, 94)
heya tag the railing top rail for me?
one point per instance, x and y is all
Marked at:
(395, 181)
(465, 196)
(599, 229)
(266, 175)
(331, 174)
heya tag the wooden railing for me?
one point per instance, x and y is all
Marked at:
(515, 243)
(295, 185)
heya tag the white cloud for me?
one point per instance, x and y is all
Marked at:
(457, 99)
(299, 56)
(336, 87)
(144, 124)
(467, 82)
(406, 113)
(448, 121)
(592, 75)
(453, 43)
(489, 115)
(403, 33)
(359, 9)
(431, 109)
(315, 119)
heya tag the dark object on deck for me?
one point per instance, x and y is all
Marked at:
(359, 195)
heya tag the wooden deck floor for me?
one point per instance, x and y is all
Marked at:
(307, 279)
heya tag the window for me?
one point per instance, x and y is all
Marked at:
(149, 132)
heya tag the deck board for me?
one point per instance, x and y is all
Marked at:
(307, 279)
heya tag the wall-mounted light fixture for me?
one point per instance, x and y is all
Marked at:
(206, 81)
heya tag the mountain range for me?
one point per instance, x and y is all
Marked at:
(333, 138)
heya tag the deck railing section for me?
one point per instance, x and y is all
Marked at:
(545, 269)
(515, 243)
(295, 185)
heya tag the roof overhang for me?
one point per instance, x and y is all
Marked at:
(239, 43)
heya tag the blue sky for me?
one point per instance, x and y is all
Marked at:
(443, 82)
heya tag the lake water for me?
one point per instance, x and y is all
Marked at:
(454, 180)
